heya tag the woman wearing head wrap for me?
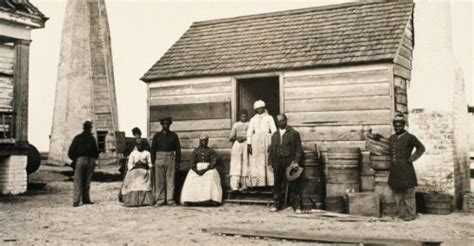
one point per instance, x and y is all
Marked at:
(259, 133)
(203, 184)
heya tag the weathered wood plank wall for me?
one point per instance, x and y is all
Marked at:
(197, 106)
(334, 107)
(402, 70)
(7, 64)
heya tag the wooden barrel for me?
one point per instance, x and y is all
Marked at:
(312, 182)
(380, 162)
(335, 204)
(342, 171)
(377, 147)
(436, 203)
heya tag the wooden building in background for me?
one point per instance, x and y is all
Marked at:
(335, 71)
(17, 19)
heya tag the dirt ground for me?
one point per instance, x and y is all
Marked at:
(45, 216)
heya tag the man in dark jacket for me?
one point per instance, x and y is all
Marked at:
(402, 178)
(83, 151)
(285, 150)
(166, 155)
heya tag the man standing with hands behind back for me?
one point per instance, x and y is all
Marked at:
(166, 155)
(285, 150)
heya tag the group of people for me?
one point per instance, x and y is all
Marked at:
(264, 154)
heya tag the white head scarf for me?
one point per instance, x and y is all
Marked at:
(258, 104)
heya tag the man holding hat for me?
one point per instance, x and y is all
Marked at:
(286, 153)
(402, 178)
(166, 155)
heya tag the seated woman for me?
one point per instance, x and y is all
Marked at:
(203, 184)
(136, 188)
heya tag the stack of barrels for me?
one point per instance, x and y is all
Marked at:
(381, 165)
(312, 182)
(438, 203)
(342, 176)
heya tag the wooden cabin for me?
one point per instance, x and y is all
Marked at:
(335, 71)
(17, 19)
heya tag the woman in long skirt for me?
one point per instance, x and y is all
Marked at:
(136, 188)
(259, 133)
(239, 161)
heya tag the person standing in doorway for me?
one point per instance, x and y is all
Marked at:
(261, 128)
(402, 177)
(286, 150)
(84, 152)
(239, 161)
(166, 155)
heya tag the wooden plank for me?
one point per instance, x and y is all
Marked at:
(188, 99)
(332, 91)
(337, 104)
(405, 52)
(216, 143)
(177, 82)
(340, 133)
(197, 111)
(191, 89)
(401, 108)
(400, 98)
(195, 125)
(339, 69)
(102, 102)
(324, 145)
(407, 43)
(404, 62)
(317, 237)
(210, 133)
(337, 78)
(401, 71)
(400, 91)
(102, 109)
(361, 117)
(400, 82)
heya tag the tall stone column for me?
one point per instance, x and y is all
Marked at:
(85, 88)
(438, 103)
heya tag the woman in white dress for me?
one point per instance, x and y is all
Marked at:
(203, 183)
(239, 161)
(261, 128)
(136, 188)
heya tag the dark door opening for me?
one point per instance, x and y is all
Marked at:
(251, 90)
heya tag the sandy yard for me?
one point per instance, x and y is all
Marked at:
(45, 216)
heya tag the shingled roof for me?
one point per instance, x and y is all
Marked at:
(295, 39)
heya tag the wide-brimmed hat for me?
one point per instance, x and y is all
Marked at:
(293, 172)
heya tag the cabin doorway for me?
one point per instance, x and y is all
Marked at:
(253, 89)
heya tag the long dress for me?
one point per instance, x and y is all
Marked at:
(239, 161)
(259, 134)
(205, 189)
(136, 188)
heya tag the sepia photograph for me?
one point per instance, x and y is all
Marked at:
(236, 122)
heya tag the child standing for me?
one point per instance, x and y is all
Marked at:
(239, 162)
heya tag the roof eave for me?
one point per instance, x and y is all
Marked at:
(152, 79)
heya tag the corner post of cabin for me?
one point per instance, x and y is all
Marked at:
(22, 50)
(234, 101)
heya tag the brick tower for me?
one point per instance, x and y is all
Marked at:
(85, 87)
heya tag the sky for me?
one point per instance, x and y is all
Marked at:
(142, 30)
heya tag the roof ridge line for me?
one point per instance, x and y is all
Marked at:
(293, 11)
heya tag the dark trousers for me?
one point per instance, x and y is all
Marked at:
(82, 178)
(165, 171)
(279, 188)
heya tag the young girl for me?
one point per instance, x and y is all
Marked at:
(136, 188)
(239, 162)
